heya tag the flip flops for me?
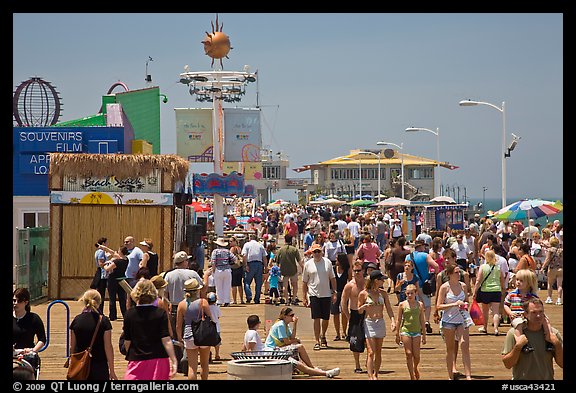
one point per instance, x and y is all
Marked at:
(317, 347)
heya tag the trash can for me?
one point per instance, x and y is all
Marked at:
(259, 369)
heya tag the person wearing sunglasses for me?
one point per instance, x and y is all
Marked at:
(371, 303)
(26, 325)
(319, 283)
(282, 337)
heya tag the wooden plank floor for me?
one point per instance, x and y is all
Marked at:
(485, 349)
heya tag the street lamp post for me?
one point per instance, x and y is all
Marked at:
(401, 147)
(360, 177)
(503, 111)
(437, 133)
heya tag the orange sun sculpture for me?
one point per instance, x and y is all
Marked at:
(217, 44)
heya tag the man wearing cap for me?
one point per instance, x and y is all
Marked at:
(422, 264)
(396, 228)
(319, 282)
(463, 253)
(425, 237)
(221, 262)
(474, 222)
(176, 279)
(255, 257)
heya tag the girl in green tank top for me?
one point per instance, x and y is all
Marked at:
(411, 332)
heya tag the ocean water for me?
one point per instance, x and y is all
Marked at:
(496, 203)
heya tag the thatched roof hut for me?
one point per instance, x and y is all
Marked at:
(121, 165)
(76, 222)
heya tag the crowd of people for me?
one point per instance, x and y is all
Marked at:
(347, 267)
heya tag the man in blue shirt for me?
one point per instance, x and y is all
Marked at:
(134, 259)
(422, 263)
(308, 238)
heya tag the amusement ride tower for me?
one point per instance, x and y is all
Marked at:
(216, 86)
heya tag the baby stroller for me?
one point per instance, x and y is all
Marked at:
(25, 366)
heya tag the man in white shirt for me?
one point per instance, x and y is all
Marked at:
(255, 258)
(463, 252)
(529, 231)
(354, 228)
(341, 224)
(319, 285)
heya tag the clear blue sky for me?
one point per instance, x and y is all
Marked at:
(329, 83)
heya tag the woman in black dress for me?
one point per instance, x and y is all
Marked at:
(81, 333)
(116, 268)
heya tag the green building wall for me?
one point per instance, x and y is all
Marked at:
(142, 108)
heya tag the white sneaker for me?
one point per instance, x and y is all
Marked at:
(558, 302)
(332, 373)
(549, 300)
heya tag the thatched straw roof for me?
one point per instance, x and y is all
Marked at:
(119, 165)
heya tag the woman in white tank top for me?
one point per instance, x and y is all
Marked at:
(452, 298)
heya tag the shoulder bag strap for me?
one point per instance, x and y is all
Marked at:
(415, 265)
(94, 335)
(485, 278)
(202, 309)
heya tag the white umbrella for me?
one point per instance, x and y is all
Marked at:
(442, 199)
(394, 201)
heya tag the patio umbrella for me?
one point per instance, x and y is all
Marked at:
(361, 203)
(394, 201)
(334, 202)
(526, 209)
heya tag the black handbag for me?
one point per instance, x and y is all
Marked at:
(96, 279)
(204, 331)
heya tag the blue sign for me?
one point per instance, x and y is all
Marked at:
(32, 139)
(32, 145)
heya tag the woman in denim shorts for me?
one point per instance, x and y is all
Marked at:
(453, 301)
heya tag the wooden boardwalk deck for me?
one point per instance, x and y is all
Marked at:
(485, 348)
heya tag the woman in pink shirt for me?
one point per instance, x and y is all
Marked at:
(368, 251)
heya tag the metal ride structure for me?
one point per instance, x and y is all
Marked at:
(217, 86)
(36, 103)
